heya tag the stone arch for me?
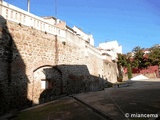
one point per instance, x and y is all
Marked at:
(42, 67)
(41, 63)
(47, 83)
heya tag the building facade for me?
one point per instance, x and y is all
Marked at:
(87, 37)
(112, 48)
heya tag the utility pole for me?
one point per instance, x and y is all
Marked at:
(28, 5)
(55, 8)
(1, 2)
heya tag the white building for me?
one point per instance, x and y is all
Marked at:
(80, 33)
(50, 19)
(54, 21)
(111, 48)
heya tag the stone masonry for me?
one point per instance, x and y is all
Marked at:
(34, 56)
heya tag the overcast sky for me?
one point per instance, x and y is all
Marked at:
(131, 22)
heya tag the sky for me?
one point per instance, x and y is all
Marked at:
(131, 22)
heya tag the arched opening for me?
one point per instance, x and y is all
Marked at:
(47, 84)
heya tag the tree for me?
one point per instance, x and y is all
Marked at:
(129, 71)
(121, 62)
(154, 56)
(139, 60)
(124, 61)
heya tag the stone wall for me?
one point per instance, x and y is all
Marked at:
(70, 63)
(13, 78)
(4, 65)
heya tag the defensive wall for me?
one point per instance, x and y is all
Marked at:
(39, 61)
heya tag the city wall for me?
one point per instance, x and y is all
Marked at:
(64, 62)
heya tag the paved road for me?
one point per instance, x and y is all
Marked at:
(135, 97)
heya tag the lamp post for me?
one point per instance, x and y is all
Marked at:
(1, 1)
(55, 8)
(28, 5)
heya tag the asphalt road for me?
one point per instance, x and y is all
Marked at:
(134, 100)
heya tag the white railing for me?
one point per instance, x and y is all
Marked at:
(23, 17)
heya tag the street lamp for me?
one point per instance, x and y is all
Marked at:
(55, 8)
(1, 1)
(28, 5)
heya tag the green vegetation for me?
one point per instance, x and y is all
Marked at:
(154, 56)
(129, 71)
(139, 59)
(142, 60)
(124, 61)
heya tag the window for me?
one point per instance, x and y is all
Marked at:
(46, 84)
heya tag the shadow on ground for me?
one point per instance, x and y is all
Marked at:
(63, 109)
